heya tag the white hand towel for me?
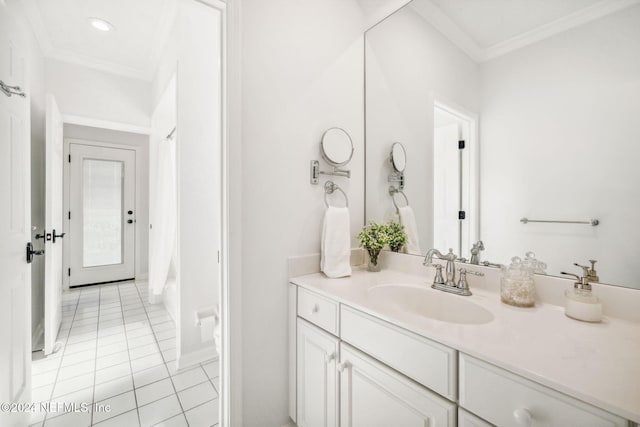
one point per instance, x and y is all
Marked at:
(335, 246)
(408, 219)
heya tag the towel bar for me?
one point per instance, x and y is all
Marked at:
(329, 188)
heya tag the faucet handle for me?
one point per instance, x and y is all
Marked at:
(464, 271)
(438, 277)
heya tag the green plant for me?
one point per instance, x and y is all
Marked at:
(397, 236)
(373, 238)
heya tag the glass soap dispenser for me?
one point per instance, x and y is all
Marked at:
(516, 286)
(581, 304)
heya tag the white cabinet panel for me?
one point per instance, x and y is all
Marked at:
(506, 399)
(372, 395)
(318, 310)
(317, 391)
(467, 419)
(431, 364)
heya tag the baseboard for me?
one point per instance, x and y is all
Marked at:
(188, 360)
(37, 338)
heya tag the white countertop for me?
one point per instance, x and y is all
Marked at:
(598, 363)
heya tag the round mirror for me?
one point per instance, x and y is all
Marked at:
(398, 157)
(336, 147)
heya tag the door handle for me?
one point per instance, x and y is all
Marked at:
(46, 237)
(54, 235)
(129, 221)
(130, 212)
(31, 253)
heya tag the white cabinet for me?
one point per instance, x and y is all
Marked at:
(317, 377)
(505, 399)
(352, 369)
(373, 395)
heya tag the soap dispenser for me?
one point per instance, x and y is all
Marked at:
(581, 304)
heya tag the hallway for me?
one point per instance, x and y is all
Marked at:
(118, 350)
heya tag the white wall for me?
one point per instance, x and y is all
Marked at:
(86, 92)
(141, 143)
(198, 146)
(410, 65)
(302, 72)
(559, 134)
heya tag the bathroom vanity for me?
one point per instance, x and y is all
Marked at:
(384, 349)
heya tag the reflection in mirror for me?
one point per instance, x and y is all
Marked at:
(550, 114)
(336, 147)
(398, 157)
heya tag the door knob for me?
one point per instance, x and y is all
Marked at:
(54, 235)
(44, 236)
(129, 221)
(31, 253)
(130, 212)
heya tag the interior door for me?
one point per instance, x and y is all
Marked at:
(102, 214)
(15, 226)
(53, 224)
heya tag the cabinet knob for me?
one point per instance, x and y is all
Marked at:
(315, 309)
(329, 357)
(344, 365)
(523, 417)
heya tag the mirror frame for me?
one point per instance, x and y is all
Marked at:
(392, 159)
(324, 154)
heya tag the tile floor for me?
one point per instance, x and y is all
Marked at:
(117, 350)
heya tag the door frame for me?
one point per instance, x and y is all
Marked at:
(473, 177)
(66, 255)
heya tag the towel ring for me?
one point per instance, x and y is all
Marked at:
(329, 188)
(393, 198)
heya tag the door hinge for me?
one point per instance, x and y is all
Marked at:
(69, 272)
(69, 158)
(218, 257)
(462, 214)
(461, 144)
(69, 214)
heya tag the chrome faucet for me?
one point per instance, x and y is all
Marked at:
(450, 268)
(449, 284)
(475, 252)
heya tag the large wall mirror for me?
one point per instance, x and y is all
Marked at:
(545, 96)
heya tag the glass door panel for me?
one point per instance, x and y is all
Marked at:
(102, 212)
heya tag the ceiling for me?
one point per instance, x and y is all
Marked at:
(132, 49)
(486, 29)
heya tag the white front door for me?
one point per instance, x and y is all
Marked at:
(15, 226)
(53, 225)
(101, 214)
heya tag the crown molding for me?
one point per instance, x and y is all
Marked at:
(573, 20)
(100, 65)
(441, 21)
(436, 17)
(34, 17)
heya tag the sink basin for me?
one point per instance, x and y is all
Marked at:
(429, 303)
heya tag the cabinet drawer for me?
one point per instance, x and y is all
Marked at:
(319, 310)
(427, 362)
(506, 399)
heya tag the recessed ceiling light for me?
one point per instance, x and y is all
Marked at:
(101, 24)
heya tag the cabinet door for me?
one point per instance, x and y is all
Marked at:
(373, 395)
(317, 377)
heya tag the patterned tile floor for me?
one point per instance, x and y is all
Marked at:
(117, 350)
